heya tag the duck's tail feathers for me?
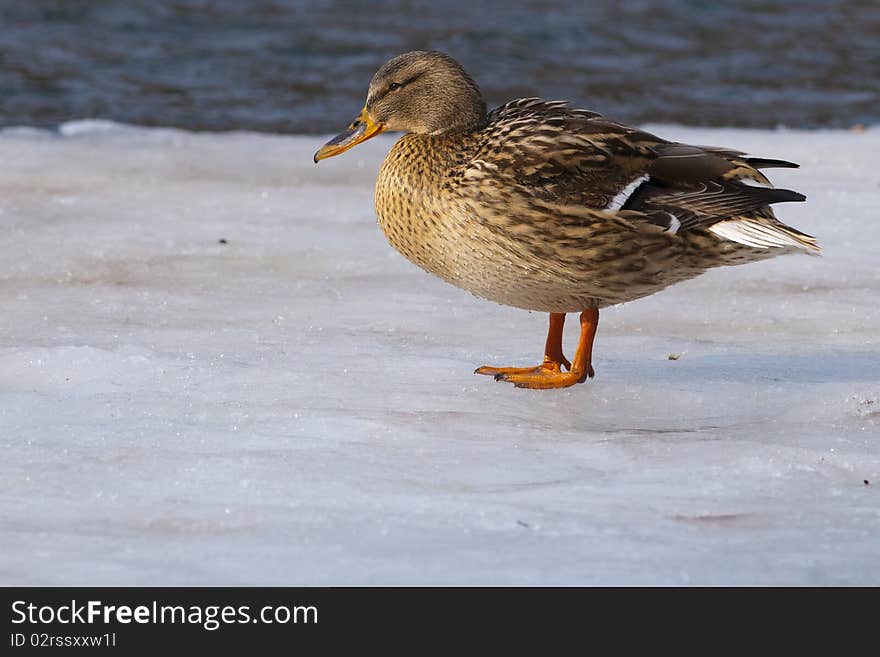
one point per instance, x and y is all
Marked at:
(763, 234)
(768, 163)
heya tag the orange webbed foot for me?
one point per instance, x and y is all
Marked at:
(548, 365)
(549, 374)
(545, 379)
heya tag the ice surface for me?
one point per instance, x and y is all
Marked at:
(296, 406)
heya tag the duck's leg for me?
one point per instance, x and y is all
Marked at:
(581, 366)
(554, 359)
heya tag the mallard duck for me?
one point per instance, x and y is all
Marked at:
(549, 208)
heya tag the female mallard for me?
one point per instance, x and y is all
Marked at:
(544, 207)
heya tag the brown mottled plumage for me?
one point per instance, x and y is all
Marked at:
(549, 208)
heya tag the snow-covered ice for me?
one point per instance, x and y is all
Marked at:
(297, 405)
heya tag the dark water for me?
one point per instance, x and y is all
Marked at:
(292, 66)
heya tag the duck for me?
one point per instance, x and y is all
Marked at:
(549, 208)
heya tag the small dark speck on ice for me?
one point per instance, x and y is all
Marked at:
(527, 525)
(867, 483)
(222, 240)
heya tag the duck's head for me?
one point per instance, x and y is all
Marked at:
(425, 92)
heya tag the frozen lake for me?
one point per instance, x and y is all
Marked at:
(297, 405)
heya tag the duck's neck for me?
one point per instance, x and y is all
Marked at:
(437, 154)
(470, 122)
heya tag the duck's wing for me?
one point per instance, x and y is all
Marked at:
(559, 155)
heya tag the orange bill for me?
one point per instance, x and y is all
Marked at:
(361, 129)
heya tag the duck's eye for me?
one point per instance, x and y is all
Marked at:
(394, 85)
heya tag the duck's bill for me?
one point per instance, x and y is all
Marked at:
(361, 129)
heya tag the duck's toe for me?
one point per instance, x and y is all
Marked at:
(549, 365)
(546, 379)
